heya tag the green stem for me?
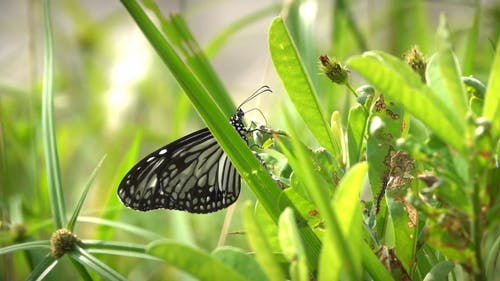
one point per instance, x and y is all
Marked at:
(349, 86)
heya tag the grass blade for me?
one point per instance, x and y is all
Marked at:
(35, 245)
(43, 268)
(48, 130)
(118, 248)
(79, 204)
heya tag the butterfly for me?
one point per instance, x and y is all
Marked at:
(191, 174)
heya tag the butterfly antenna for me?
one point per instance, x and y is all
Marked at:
(259, 91)
(260, 111)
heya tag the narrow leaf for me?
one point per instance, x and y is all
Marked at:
(240, 261)
(260, 245)
(193, 261)
(439, 271)
(48, 126)
(292, 247)
(356, 125)
(491, 108)
(43, 268)
(297, 83)
(79, 204)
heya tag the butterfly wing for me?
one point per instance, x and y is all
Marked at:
(192, 173)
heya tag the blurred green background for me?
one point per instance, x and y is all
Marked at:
(114, 97)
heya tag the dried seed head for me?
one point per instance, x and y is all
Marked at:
(61, 242)
(334, 69)
(416, 60)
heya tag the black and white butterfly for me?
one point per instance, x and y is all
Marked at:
(191, 174)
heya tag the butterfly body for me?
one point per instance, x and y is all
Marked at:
(191, 174)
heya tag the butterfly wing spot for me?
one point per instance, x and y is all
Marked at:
(163, 151)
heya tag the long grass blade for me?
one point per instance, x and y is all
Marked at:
(48, 130)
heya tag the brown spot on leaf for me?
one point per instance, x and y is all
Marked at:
(336, 178)
(391, 114)
(380, 104)
(313, 212)
(398, 174)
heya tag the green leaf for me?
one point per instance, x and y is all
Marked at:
(297, 83)
(48, 126)
(445, 79)
(240, 261)
(373, 266)
(304, 167)
(193, 261)
(307, 210)
(401, 85)
(292, 247)
(492, 261)
(258, 242)
(404, 219)
(356, 126)
(348, 211)
(440, 271)
(491, 108)
(470, 54)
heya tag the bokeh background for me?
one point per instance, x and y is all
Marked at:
(112, 90)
